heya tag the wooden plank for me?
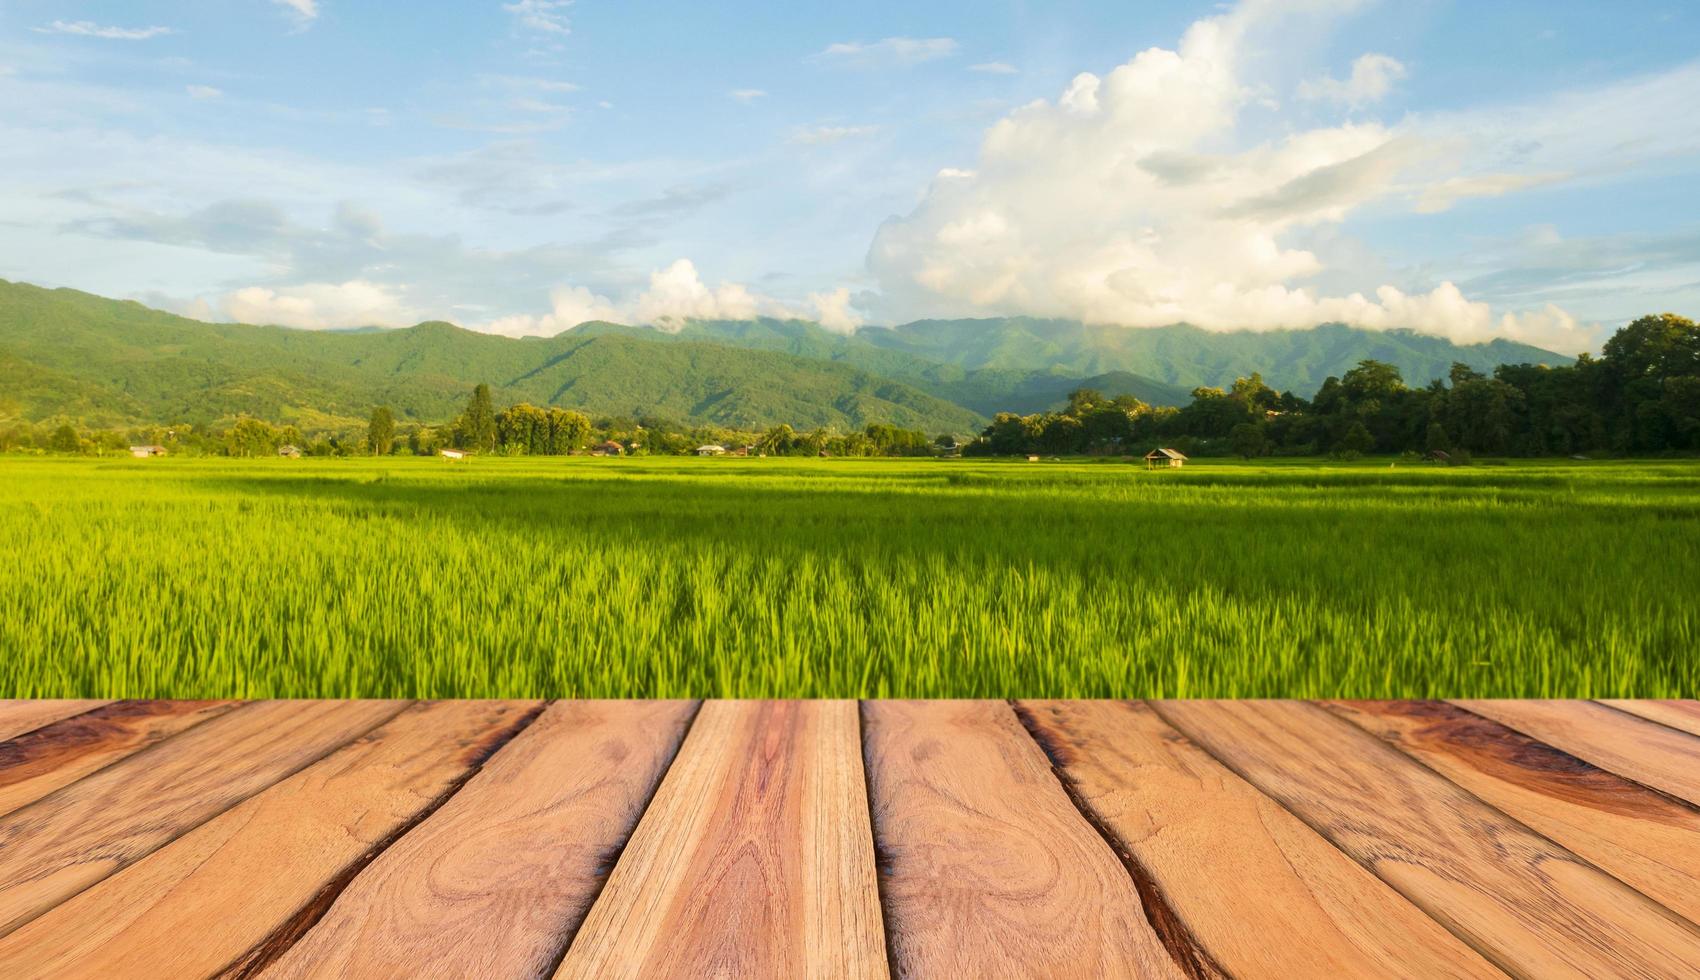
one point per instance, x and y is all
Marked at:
(1649, 753)
(1682, 715)
(18, 717)
(755, 858)
(36, 764)
(988, 868)
(263, 870)
(1648, 839)
(1526, 903)
(494, 883)
(70, 839)
(1236, 869)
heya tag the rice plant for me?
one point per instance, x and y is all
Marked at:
(802, 578)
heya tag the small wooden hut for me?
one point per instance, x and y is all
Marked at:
(1164, 457)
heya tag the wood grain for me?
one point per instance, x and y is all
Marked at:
(35, 764)
(989, 870)
(496, 880)
(1526, 903)
(1235, 867)
(72, 838)
(1649, 840)
(1682, 715)
(1649, 753)
(755, 858)
(20, 716)
(264, 869)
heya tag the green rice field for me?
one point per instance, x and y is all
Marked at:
(581, 576)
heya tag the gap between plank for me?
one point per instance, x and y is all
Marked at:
(610, 860)
(1183, 947)
(881, 861)
(183, 831)
(265, 952)
(1609, 707)
(1511, 969)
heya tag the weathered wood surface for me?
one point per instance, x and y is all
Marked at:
(18, 717)
(256, 869)
(754, 859)
(72, 838)
(1648, 839)
(35, 764)
(1648, 752)
(1230, 864)
(495, 882)
(1682, 715)
(827, 839)
(1525, 902)
(990, 870)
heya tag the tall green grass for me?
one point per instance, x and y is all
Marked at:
(662, 577)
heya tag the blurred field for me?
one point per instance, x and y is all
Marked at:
(768, 577)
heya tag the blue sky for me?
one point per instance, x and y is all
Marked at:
(1526, 170)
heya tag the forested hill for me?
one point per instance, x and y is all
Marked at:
(69, 354)
(1289, 360)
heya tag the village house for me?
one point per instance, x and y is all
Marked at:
(609, 448)
(711, 450)
(1164, 457)
(289, 452)
(143, 452)
(452, 454)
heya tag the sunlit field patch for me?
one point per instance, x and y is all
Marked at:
(780, 578)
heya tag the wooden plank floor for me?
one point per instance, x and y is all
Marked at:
(835, 839)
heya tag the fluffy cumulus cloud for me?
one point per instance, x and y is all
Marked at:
(675, 294)
(569, 307)
(1133, 198)
(319, 306)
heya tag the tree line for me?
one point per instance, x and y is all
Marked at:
(1642, 395)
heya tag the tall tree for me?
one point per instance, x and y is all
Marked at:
(380, 432)
(477, 428)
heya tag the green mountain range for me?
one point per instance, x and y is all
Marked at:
(106, 362)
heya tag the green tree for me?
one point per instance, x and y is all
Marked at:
(777, 441)
(65, 440)
(1356, 441)
(477, 427)
(1248, 439)
(568, 431)
(1436, 440)
(251, 437)
(380, 432)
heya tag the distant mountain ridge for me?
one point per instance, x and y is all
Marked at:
(108, 362)
(68, 353)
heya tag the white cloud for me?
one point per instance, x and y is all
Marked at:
(319, 306)
(822, 135)
(202, 91)
(995, 68)
(570, 306)
(677, 293)
(1126, 201)
(891, 52)
(833, 311)
(305, 11)
(84, 28)
(542, 16)
(1440, 197)
(1372, 78)
(747, 95)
